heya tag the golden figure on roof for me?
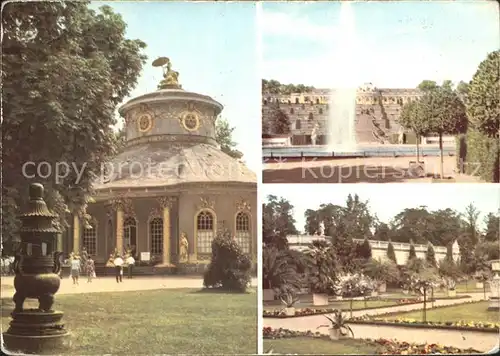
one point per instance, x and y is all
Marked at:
(170, 77)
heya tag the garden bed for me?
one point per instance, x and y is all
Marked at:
(412, 323)
(300, 312)
(378, 346)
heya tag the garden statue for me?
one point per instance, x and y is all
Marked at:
(321, 229)
(37, 267)
(183, 248)
(314, 134)
(495, 287)
(170, 77)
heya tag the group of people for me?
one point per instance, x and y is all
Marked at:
(119, 262)
(84, 264)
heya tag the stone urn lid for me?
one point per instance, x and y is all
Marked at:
(170, 140)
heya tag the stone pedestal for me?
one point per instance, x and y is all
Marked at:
(495, 293)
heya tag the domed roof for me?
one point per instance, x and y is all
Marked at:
(171, 140)
(158, 164)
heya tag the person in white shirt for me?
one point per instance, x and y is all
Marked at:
(118, 262)
(75, 268)
(130, 263)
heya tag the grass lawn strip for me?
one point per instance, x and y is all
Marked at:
(472, 316)
(156, 321)
(284, 341)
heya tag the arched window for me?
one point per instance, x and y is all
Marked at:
(156, 235)
(243, 231)
(205, 231)
(311, 116)
(321, 111)
(130, 233)
(292, 111)
(296, 100)
(317, 101)
(297, 125)
(89, 239)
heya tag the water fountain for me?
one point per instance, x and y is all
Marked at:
(342, 115)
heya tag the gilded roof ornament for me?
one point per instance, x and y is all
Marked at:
(170, 77)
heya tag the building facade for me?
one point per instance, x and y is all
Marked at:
(377, 114)
(172, 189)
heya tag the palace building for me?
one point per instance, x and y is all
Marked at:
(171, 182)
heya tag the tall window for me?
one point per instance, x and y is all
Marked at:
(89, 240)
(205, 232)
(243, 231)
(297, 125)
(311, 117)
(130, 233)
(156, 235)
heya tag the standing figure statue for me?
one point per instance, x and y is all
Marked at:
(314, 134)
(183, 248)
(170, 77)
(321, 229)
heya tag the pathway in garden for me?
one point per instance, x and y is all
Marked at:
(108, 284)
(469, 339)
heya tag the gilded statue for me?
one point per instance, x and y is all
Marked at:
(183, 248)
(170, 77)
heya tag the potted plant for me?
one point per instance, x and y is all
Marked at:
(338, 327)
(322, 271)
(451, 288)
(289, 299)
(277, 272)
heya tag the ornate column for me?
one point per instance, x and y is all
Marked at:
(119, 229)
(76, 233)
(123, 207)
(166, 204)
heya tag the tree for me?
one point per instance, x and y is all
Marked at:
(383, 232)
(470, 225)
(483, 105)
(312, 221)
(427, 86)
(223, 136)
(449, 271)
(277, 222)
(365, 250)
(65, 68)
(277, 271)
(121, 139)
(381, 272)
(412, 253)
(444, 113)
(280, 122)
(492, 232)
(430, 256)
(391, 254)
(412, 119)
(323, 267)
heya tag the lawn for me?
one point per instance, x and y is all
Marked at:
(318, 346)
(156, 322)
(476, 312)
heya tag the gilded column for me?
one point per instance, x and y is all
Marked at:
(119, 229)
(76, 233)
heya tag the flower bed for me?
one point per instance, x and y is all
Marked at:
(460, 325)
(382, 346)
(299, 312)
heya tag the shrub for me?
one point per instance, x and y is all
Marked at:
(229, 268)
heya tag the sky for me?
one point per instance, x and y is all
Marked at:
(390, 44)
(387, 200)
(213, 47)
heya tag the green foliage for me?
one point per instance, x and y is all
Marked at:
(274, 87)
(364, 250)
(229, 268)
(480, 156)
(323, 267)
(430, 256)
(450, 272)
(492, 228)
(280, 122)
(381, 271)
(223, 136)
(277, 222)
(391, 254)
(65, 68)
(282, 268)
(483, 97)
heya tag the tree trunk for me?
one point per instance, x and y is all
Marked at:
(441, 154)
(425, 306)
(418, 149)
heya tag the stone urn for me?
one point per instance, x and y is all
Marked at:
(37, 267)
(452, 293)
(290, 311)
(335, 334)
